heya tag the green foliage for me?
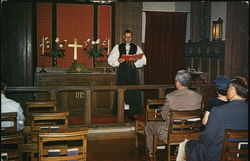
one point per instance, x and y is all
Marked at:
(55, 52)
(95, 52)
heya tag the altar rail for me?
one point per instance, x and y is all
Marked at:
(52, 91)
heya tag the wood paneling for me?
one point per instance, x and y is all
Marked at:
(74, 101)
(16, 40)
(208, 56)
(16, 44)
(237, 39)
(128, 15)
(200, 20)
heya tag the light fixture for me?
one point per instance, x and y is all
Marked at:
(217, 29)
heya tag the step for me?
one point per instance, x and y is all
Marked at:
(109, 131)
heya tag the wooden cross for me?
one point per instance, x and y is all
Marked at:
(75, 46)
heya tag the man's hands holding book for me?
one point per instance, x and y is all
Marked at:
(130, 58)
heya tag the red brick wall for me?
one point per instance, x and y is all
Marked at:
(43, 29)
(104, 25)
(74, 21)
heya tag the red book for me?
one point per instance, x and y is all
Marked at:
(131, 57)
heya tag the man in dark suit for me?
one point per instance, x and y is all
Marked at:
(232, 115)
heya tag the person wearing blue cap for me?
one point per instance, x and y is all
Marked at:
(221, 83)
(231, 115)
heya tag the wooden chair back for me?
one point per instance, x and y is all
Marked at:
(235, 145)
(63, 145)
(10, 117)
(181, 125)
(151, 115)
(38, 106)
(184, 122)
(11, 144)
(153, 109)
(48, 121)
(45, 121)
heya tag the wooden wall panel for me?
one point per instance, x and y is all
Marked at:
(16, 46)
(237, 39)
(213, 71)
(128, 15)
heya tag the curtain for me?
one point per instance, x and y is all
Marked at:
(164, 46)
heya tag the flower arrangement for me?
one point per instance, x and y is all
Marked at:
(53, 51)
(95, 48)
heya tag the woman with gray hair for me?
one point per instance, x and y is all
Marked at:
(181, 99)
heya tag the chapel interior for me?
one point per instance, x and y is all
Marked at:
(208, 38)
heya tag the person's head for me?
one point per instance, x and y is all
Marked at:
(3, 86)
(238, 88)
(221, 83)
(127, 36)
(182, 79)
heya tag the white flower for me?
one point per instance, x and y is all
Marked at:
(97, 41)
(65, 40)
(47, 42)
(57, 39)
(61, 45)
(47, 46)
(41, 45)
(88, 40)
(92, 42)
(46, 38)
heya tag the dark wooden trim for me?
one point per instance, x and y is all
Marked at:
(54, 22)
(34, 39)
(95, 22)
(53, 90)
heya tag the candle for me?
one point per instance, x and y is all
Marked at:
(43, 46)
(108, 47)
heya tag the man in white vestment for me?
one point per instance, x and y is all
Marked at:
(127, 73)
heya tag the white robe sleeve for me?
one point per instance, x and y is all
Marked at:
(113, 57)
(115, 54)
(140, 62)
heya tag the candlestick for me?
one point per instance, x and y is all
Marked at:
(108, 47)
(43, 46)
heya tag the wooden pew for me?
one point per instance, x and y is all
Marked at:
(38, 106)
(50, 122)
(63, 145)
(11, 144)
(9, 117)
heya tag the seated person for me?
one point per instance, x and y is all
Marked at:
(180, 99)
(9, 105)
(221, 90)
(232, 115)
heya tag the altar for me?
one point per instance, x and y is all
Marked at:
(74, 101)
